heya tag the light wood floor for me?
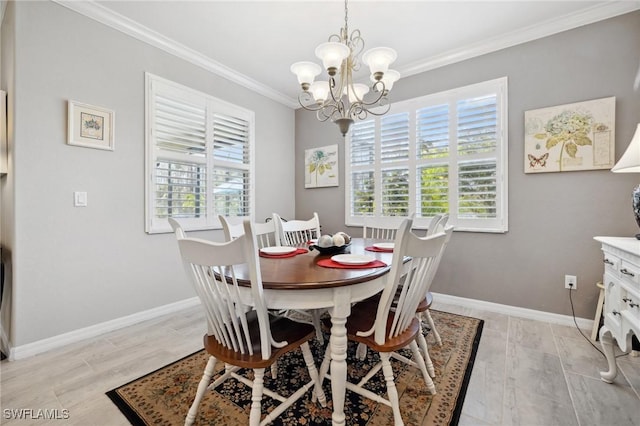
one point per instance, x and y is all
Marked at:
(526, 373)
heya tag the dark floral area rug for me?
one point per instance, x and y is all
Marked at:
(164, 396)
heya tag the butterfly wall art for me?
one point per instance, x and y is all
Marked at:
(538, 162)
(571, 137)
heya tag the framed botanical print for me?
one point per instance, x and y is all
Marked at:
(90, 126)
(321, 167)
(571, 137)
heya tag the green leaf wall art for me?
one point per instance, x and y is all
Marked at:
(321, 167)
(578, 136)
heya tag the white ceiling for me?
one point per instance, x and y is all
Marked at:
(255, 42)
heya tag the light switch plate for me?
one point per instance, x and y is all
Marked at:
(80, 199)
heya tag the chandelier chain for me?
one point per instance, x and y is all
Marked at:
(346, 14)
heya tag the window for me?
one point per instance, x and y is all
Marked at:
(199, 157)
(442, 153)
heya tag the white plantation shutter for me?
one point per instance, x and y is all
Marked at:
(433, 131)
(362, 162)
(477, 138)
(394, 138)
(394, 156)
(477, 120)
(442, 153)
(179, 124)
(179, 128)
(395, 192)
(363, 146)
(432, 177)
(199, 157)
(477, 190)
(231, 154)
(433, 189)
(362, 195)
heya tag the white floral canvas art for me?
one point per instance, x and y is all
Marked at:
(579, 136)
(321, 167)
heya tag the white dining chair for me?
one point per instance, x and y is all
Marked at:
(383, 228)
(233, 228)
(437, 224)
(386, 228)
(387, 322)
(298, 232)
(175, 225)
(239, 337)
(423, 310)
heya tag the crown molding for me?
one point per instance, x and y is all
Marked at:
(106, 16)
(533, 32)
(99, 13)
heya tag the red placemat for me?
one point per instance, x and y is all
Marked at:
(281, 256)
(372, 248)
(328, 263)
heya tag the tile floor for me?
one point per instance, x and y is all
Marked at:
(526, 373)
(536, 373)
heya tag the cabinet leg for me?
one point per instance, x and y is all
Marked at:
(606, 340)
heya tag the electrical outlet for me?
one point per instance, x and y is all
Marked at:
(571, 281)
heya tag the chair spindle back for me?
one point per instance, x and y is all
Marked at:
(412, 279)
(296, 232)
(211, 266)
(381, 228)
(265, 232)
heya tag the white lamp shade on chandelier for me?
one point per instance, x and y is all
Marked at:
(340, 98)
(356, 92)
(306, 72)
(320, 90)
(332, 54)
(378, 59)
(389, 77)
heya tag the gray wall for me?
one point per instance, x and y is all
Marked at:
(553, 217)
(77, 267)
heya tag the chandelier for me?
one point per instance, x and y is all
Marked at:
(339, 98)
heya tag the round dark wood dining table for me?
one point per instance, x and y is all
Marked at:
(298, 282)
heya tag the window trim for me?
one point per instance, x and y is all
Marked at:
(154, 225)
(498, 225)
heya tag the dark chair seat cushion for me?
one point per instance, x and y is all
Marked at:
(282, 329)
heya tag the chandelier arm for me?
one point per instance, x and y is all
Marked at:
(358, 108)
(364, 104)
(356, 44)
(386, 107)
(329, 111)
(321, 116)
(305, 96)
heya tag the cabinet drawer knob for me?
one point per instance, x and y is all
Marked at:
(633, 305)
(615, 313)
(624, 271)
(607, 261)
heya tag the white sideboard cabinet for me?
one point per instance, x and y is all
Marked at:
(621, 299)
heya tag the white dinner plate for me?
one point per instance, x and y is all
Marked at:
(352, 259)
(384, 246)
(278, 250)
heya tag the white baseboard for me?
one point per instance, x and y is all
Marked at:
(30, 349)
(583, 323)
